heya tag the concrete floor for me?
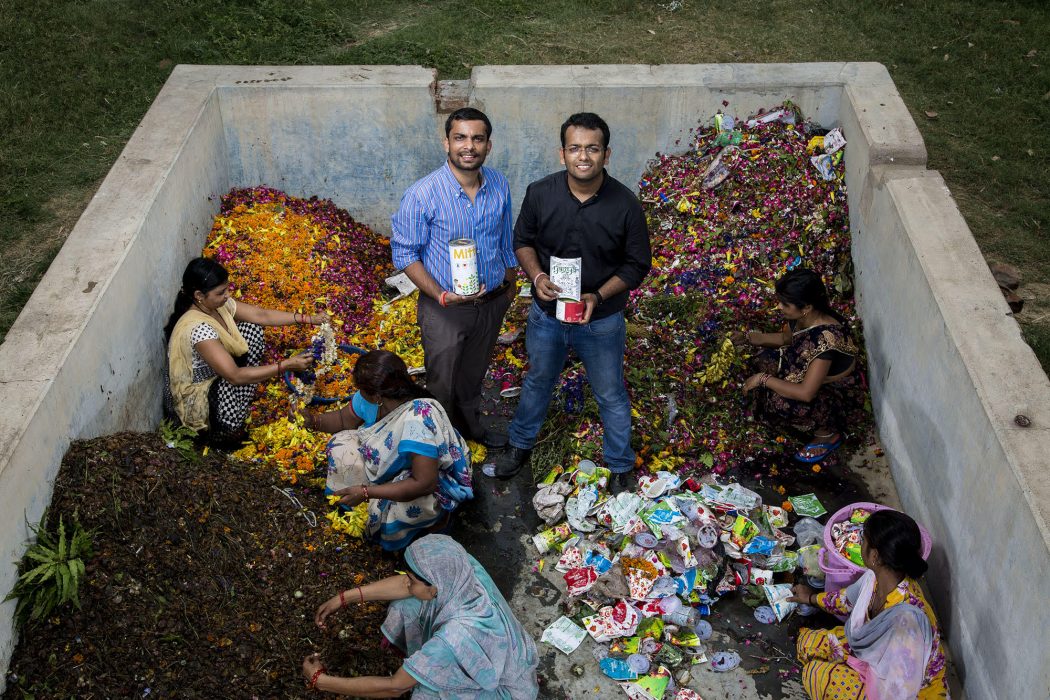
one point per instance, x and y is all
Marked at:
(496, 527)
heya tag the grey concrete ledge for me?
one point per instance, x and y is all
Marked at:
(948, 367)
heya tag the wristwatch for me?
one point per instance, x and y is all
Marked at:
(601, 299)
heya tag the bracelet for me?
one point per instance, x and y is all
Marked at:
(342, 600)
(538, 276)
(361, 592)
(364, 489)
(601, 299)
(441, 299)
(765, 378)
(312, 685)
(811, 603)
(295, 317)
(278, 368)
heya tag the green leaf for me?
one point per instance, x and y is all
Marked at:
(27, 577)
(48, 575)
(42, 555)
(63, 582)
(708, 459)
(61, 539)
(77, 567)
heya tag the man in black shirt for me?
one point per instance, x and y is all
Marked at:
(586, 217)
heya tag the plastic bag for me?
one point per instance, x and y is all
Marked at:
(808, 531)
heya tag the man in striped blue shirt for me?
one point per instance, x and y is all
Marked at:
(461, 199)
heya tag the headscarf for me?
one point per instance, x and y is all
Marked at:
(891, 650)
(465, 643)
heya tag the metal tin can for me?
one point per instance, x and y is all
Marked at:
(463, 256)
(570, 311)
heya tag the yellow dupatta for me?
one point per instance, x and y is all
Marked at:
(191, 399)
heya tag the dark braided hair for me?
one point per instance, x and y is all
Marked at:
(897, 539)
(383, 373)
(803, 286)
(201, 275)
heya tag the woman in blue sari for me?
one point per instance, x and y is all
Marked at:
(457, 632)
(395, 448)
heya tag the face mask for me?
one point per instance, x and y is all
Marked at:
(365, 409)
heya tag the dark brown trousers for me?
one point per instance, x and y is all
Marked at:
(457, 347)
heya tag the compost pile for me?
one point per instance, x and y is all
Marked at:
(204, 582)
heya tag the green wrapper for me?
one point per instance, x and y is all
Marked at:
(548, 539)
(655, 684)
(651, 627)
(744, 530)
(625, 646)
(552, 476)
(685, 637)
(853, 554)
(807, 505)
(669, 655)
(583, 478)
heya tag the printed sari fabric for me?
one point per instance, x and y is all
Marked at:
(466, 642)
(382, 453)
(897, 654)
(828, 407)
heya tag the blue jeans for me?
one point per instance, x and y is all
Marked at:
(600, 344)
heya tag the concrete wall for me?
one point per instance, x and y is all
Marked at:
(949, 370)
(84, 356)
(358, 135)
(649, 109)
(949, 374)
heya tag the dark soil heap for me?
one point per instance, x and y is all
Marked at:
(204, 583)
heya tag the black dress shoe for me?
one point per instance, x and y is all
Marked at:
(624, 481)
(511, 462)
(493, 440)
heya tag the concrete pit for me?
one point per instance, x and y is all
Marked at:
(961, 403)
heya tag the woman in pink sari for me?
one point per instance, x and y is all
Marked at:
(890, 647)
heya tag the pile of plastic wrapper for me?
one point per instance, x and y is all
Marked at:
(643, 568)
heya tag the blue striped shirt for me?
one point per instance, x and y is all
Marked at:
(436, 210)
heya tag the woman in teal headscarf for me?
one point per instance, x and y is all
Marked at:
(457, 632)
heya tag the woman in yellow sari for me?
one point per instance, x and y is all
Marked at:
(890, 647)
(215, 345)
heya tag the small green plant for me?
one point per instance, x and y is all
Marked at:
(53, 571)
(179, 437)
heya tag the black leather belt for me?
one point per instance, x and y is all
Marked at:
(489, 296)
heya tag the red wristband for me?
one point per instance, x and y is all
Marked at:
(441, 299)
(342, 600)
(361, 592)
(312, 685)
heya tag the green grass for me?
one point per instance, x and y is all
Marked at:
(77, 76)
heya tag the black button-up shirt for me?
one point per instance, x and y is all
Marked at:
(607, 232)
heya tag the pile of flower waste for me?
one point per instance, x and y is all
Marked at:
(643, 569)
(309, 256)
(747, 201)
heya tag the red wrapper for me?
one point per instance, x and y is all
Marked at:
(580, 579)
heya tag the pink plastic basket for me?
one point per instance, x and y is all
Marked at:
(839, 571)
